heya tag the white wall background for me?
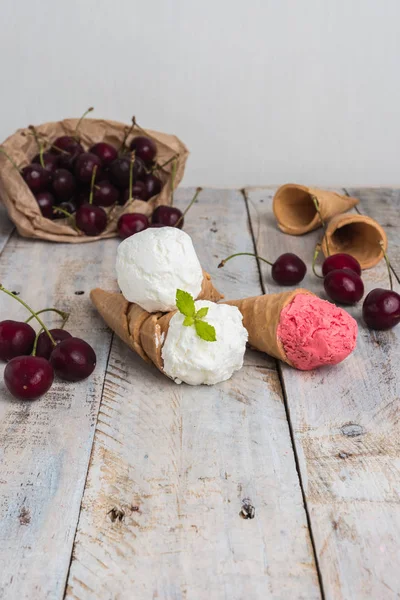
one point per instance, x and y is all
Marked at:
(262, 91)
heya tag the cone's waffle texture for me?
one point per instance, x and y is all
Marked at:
(208, 291)
(143, 332)
(295, 209)
(357, 235)
(261, 316)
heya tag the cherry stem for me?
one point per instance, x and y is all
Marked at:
(92, 184)
(317, 208)
(35, 134)
(63, 315)
(39, 320)
(76, 135)
(14, 164)
(62, 210)
(222, 263)
(126, 135)
(173, 175)
(387, 261)
(193, 200)
(157, 166)
(316, 253)
(33, 353)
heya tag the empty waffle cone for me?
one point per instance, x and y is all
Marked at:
(295, 209)
(355, 234)
(143, 332)
(208, 291)
(261, 316)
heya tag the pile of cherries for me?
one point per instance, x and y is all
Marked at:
(63, 176)
(33, 359)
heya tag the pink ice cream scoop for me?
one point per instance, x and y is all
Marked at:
(315, 332)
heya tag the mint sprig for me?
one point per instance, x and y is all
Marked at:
(186, 306)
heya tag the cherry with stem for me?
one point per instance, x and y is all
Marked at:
(288, 269)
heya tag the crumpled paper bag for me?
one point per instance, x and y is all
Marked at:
(21, 205)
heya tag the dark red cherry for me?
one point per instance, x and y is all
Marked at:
(50, 160)
(119, 171)
(340, 261)
(69, 206)
(84, 166)
(344, 286)
(91, 219)
(168, 216)
(46, 202)
(138, 192)
(16, 339)
(44, 347)
(28, 377)
(144, 148)
(36, 178)
(152, 184)
(63, 185)
(81, 196)
(73, 359)
(71, 150)
(105, 194)
(381, 309)
(288, 269)
(105, 152)
(131, 223)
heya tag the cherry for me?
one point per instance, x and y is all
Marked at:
(28, 377)
(288, 269)
(340, 261)
(73, 359)
(344, 286)
(144, 148)
(82, 196)
(381, 309)
(64, 184)
(152, 184)
(84, 167)
(69, 207)
(120, 171)
(131, 223)
(105, 194)
(169, 216)
(68, 149)
(138, 191)
(46, 202)
(105, 152)
(44, 347)
(50, 161)
(36, 177)
(91, 219)
(16, 339)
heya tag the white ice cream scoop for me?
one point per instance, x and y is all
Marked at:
(153, 264)
(195, 361)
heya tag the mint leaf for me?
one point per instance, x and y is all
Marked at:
(185, 303)
(202, 312)
(205, 331)
(188, 321)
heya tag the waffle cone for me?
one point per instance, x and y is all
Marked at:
(357, 235)
(295, 210)
(208, 291)
(143, 332)
(261, 316)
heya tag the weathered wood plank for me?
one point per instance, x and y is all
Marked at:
(173, 464)
(6, 227)
(345, 421)
(45, 445)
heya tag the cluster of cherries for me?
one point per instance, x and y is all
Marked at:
(342, 282)
(33, 359)
(68, 180)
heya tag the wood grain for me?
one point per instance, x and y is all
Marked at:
(6, 227)
(172, 464)
(345, 422)
(45, 445)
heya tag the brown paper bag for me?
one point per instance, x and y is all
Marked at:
(21, 205)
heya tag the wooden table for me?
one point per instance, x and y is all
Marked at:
(127, 486)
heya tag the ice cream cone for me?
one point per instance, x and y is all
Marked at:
(357, 235)
(261, 316)
(295, 210)
(208, 291)
(143, 332)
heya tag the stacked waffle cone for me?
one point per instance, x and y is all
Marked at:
(299, 209)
